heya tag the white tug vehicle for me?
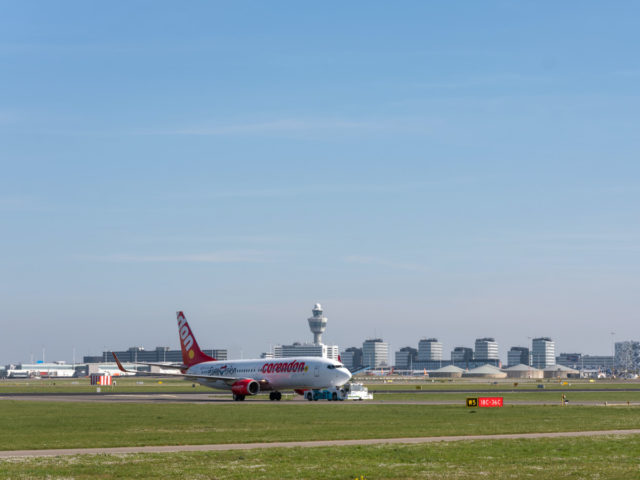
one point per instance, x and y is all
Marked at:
(348, 391)
(357, 391)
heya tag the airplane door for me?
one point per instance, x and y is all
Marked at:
(316, 372)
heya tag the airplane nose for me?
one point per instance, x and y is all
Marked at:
(340, 377)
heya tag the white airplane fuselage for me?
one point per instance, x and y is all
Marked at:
(299, 373)
(250, 377)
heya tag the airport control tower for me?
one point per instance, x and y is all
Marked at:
(317, 324)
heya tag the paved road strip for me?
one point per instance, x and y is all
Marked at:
(308, 444)
(211, 399)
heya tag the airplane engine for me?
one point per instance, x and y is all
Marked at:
(246, 386)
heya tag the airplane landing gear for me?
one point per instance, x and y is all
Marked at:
(238, 398)
(277, 396)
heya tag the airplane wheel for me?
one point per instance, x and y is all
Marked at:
(278, 396)
(272, 396)
(334, 396)
(309, 396)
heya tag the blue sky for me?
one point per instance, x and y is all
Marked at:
(421, 170)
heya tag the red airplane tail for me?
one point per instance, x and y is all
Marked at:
(191, 353)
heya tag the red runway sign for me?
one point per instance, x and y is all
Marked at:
(490, 402)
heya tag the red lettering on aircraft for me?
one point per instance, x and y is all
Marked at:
(279, 367)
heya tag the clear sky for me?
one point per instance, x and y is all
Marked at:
(420, 169)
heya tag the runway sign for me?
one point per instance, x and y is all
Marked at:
(485, 402)
(490, 402)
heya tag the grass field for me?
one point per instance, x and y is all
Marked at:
(151, 384)
(466, 384)
(81, 385)
(419, 391)
(612, 458)
(42, 425)
(35, 425)
(547, 397)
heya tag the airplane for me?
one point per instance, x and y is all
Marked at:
(249, 377)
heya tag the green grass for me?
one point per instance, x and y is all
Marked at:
(387, 392)
(35, 425)
(152, 385)
(527, 391)
(82, 385)
(612, 457)
(548, 397)
(463, 384)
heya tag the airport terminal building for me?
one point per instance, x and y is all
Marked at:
(157, 355)
(306, 350)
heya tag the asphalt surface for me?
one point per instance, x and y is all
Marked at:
(124, 397)
(320, 443)
(222, 398)
(372, 390)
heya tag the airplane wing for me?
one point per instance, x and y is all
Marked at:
(164, 365)
(358, 370)
(226, 379)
